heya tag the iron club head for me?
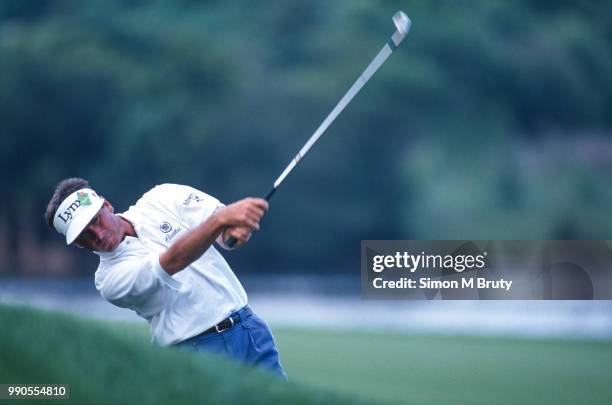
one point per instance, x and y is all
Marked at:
(402, 22)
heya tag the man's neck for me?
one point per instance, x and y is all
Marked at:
(128, 228)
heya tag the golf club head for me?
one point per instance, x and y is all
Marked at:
(402, 24)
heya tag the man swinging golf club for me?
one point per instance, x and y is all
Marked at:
(158, 259)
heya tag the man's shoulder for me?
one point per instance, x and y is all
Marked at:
(170, 191)
(175, 193)
(166, 189)
(105, 266)
(164, 201)
(161, 194)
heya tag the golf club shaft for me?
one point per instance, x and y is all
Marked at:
(350, 94)
(369, 71)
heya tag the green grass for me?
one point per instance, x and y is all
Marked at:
(114, 363)
(450, 370)
(117, 365)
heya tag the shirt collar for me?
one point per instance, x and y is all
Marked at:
(123, 246)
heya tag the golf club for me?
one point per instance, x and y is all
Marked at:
(402, 25)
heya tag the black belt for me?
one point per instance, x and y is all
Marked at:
(224, 325)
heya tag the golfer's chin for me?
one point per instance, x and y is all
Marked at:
(108, 245)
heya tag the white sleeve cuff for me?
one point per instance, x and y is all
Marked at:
(219, 239)
(162, 275)
(221, 243)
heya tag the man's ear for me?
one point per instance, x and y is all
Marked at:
(108, 206)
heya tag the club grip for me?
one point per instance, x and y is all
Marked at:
(270, 193)
(231, 242)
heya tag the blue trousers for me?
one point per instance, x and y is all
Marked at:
(249, 341)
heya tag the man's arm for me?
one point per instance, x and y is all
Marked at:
(245, 214)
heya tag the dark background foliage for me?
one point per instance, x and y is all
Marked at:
(491, 121)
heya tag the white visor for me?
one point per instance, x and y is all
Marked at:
(75, 212)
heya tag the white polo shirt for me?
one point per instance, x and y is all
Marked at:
(189, 302)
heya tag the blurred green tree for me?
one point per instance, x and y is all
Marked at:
(492, 121)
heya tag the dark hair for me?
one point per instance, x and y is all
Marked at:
(63, 189)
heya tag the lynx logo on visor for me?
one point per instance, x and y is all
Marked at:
(67, 214)
(83, 198)
(75, 212)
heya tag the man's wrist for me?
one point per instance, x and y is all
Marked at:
(218, 219)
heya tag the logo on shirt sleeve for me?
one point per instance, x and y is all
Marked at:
(165, 227)
(192, 197)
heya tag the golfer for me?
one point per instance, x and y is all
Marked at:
(158, 259)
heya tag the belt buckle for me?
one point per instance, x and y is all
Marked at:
(223, 330)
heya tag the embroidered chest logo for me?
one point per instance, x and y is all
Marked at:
(169, 232)
(165, 227)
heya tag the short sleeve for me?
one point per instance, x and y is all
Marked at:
(141, 285)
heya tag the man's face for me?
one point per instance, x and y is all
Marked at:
(103, 233)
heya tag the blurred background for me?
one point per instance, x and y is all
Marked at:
(491, 121)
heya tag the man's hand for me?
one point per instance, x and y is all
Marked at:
(242, 234)
(244, 213)
(241, 219)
